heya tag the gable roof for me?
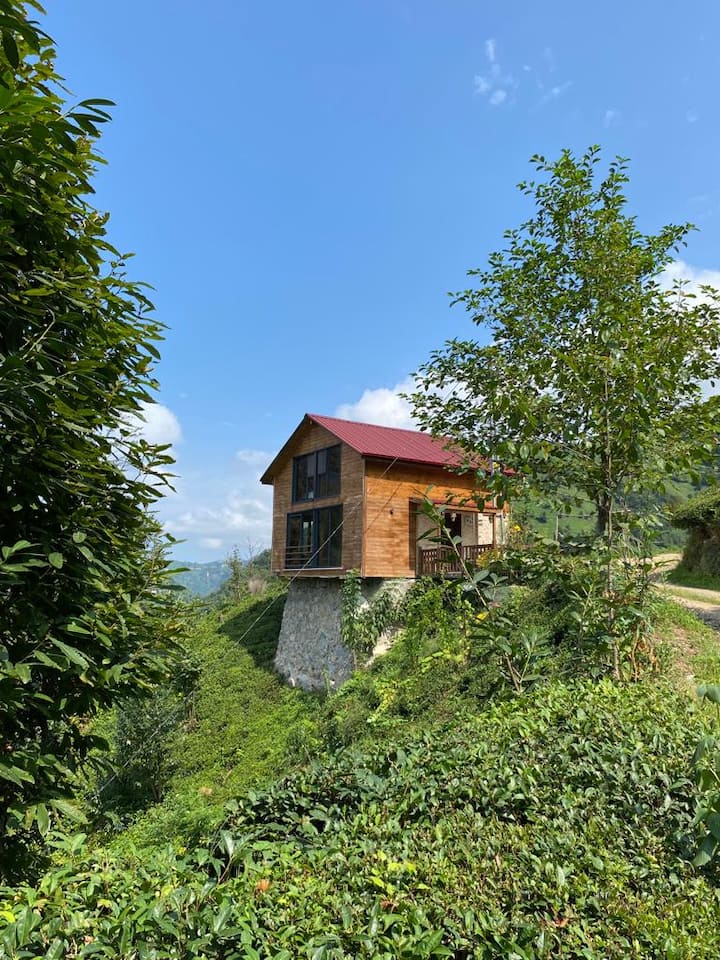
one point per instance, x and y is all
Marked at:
(371, 440)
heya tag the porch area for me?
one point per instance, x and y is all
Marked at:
(447, 561)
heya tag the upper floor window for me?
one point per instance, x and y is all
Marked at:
(317, 474)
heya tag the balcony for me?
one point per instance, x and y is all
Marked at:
(447, 561)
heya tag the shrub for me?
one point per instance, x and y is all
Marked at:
(554, 825)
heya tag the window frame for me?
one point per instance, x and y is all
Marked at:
(312, 477)
(313, 552)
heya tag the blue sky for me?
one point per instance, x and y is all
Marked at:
(303, 183)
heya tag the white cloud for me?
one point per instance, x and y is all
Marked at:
(156, 423)
(383, 405)
(254, 458)
(220, 504)
(693, 277)
(501, 86)
(610, 117)
(211, 543)
(554, 93)
(692, 116)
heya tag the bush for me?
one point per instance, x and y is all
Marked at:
(555, 825)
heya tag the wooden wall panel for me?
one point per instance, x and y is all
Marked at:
(388, 522)
(316, 437)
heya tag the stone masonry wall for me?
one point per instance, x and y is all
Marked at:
(310, 652)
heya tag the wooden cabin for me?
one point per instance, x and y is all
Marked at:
(348, 496)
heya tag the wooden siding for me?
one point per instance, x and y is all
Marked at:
(388, 517)
(351, 491)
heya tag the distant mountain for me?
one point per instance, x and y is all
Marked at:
(200, 579)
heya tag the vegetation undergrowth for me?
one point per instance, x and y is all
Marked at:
(236, 734)
(558, 823)
(449, 815)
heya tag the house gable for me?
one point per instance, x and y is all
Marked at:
(308, 438)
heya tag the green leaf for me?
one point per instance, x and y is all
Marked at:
(72, 653)
(15, 774)
(56, 560)
(706, 852)
(43, 818)
(10, 48)
(69, 810)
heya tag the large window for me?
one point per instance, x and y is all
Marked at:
(317, 474)
(314, 538)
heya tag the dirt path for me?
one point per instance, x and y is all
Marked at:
(705, 604)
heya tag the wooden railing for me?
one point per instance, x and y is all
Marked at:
(446, 560)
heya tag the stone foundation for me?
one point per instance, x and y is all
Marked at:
(310, 652)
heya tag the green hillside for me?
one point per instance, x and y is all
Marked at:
(542, 516)
(441, 814)
(234, 731)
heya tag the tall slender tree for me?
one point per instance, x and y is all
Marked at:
(592, 386)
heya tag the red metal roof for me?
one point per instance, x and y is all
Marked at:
(390, 443)
(371, 440)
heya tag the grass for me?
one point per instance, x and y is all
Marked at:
(689, 649)
(682, 577)
(241, 724)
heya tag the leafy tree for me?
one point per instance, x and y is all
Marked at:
(83, 620)
(591, 386)
(236, 581)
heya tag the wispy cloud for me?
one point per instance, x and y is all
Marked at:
(494, 83)
(220, 505)
(692, 116)
(499, 85)
(555, 92)
(610, 117)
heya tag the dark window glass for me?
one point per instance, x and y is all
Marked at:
(299, 539)
(329, 537)
(314, 538)
(303, 478)
(317, 474)
(328, 472)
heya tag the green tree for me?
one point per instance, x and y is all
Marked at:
(83, 616)
(591, 384)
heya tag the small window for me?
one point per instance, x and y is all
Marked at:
(314, 538)
(317, 475)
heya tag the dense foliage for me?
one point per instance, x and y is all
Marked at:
(700, 516)
(552, 825)
(700, 511)
(83, 620)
